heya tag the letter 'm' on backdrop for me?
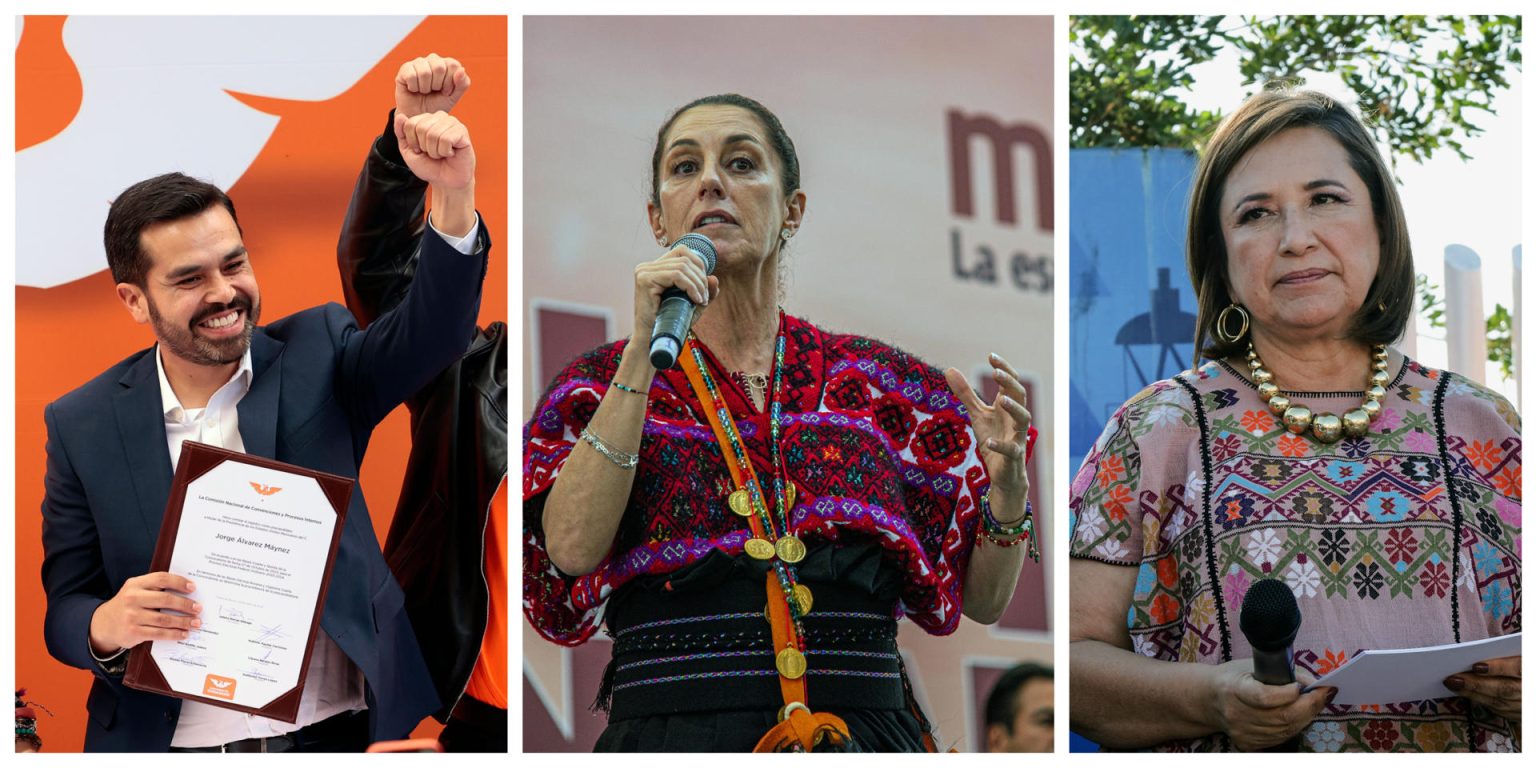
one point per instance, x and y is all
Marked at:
(280, 111)
(925, 147)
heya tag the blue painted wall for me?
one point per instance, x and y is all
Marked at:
(1132, 310)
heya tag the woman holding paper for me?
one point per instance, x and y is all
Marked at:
(1303, 450)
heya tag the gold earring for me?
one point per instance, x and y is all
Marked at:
(1220, 330)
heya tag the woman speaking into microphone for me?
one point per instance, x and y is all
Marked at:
(752, 522)
(1384, 493)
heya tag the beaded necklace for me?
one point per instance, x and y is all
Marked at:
(770, 527)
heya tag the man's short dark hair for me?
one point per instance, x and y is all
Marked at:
(1003, 701)
(164, 198)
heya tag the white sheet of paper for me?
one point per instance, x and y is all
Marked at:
(254, 542)
(1411, 674)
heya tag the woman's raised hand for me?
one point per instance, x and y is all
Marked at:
(1002, 429)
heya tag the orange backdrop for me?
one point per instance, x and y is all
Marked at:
(291, 201)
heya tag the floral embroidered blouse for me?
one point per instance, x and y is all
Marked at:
(1194, 483)
(876, 444)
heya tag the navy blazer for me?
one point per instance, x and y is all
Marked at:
(319, 385)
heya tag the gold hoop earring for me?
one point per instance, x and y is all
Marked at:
(1220, 331)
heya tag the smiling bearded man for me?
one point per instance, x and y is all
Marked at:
(307, 390)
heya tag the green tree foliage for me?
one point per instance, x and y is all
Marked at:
(1420, 80)
(1430, 304)
(1501, 345)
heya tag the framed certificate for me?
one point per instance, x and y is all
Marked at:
(258, 539)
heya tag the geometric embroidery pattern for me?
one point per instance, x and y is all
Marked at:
(876, 445)
(1363, 532)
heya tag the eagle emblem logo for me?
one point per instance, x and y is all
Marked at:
(218, 687)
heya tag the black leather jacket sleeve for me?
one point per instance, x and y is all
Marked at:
(458, 460)
(381, 235)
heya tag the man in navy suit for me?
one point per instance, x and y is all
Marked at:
(308, 390)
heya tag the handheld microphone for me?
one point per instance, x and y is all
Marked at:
(1270, 620)
(675, 314)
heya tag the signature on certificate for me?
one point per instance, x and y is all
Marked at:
(190, 659)
(274, 632)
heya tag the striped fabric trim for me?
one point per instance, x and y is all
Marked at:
(689, 620)
(755, 673)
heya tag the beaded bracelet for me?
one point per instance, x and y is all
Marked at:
(623, 388)
(991, 524)
(620, 458)
(1014, 542)
(1006, 535)
(1022, 532)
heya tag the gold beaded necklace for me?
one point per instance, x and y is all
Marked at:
(1326, 427)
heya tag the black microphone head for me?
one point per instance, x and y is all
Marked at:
(701, 245)
(1270, 617)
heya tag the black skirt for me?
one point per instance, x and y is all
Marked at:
(693, 658)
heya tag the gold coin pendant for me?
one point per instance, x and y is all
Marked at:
(790, 549)
(741, 503)
(803, 598)
(791, 663)
(761, 549)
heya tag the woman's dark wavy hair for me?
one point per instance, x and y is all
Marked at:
(783, 146)
(1275, 109)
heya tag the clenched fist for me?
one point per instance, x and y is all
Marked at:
(436, 147)
(428, 84)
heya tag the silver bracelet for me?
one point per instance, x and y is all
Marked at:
(620, 458)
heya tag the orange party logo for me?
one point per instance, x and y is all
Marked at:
(265, 490)
(219, 687)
